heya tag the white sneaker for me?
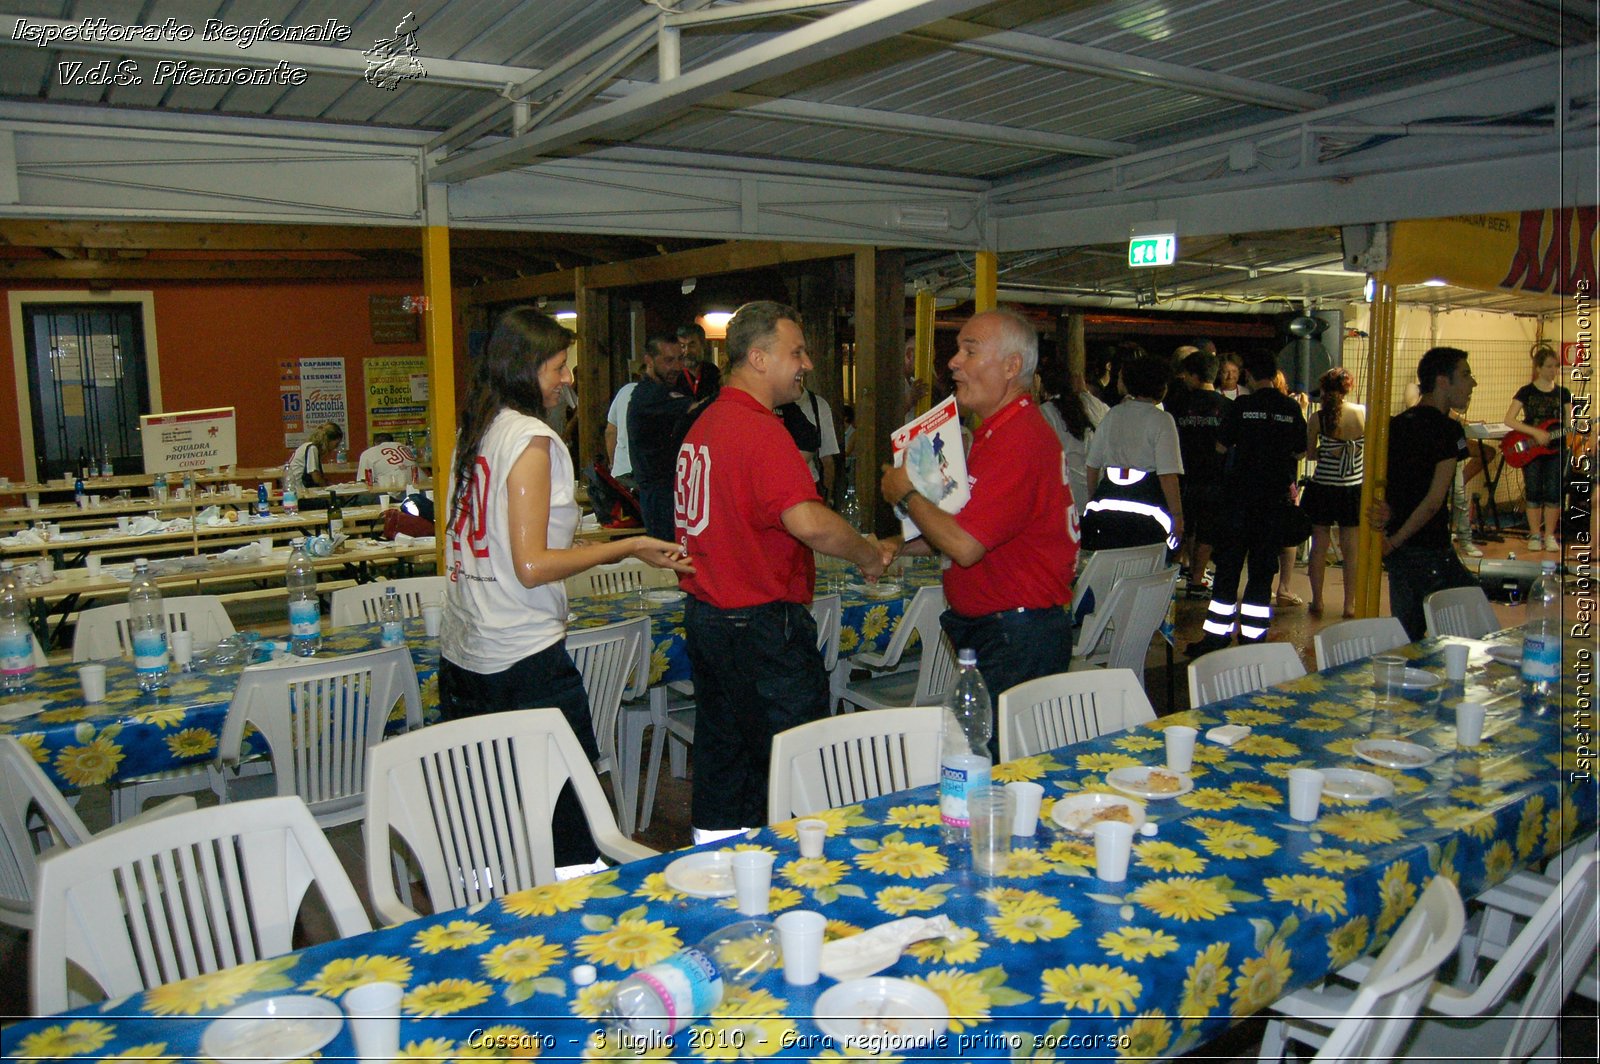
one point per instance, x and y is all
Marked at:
(1536, 543)
(1470, 549)
(1552, 544)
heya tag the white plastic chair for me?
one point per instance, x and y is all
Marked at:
(362, 604)
(321, 719)
(850, 758)
(1462, 611)
(920, 616)
(619, 578)
(1102, 569)
(1360, 638)
(828, 612)
(615, 662)
(472, 799)
(1240, 670)
(1069, 707)
(33, 814)
(1131, 616)
(935, 670)
(204, 890)
(102, 631)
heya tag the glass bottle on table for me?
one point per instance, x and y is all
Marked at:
(305, 609)
(147, 627)
(16, 636)
(335, 516)
(964, 760)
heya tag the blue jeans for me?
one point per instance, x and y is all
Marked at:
(1013, 647)
(1417, 572)
(757, 671)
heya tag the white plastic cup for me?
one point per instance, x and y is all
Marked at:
(752, 881)
(264, 544)
(1180, 746)
(432, 620)
(1469, 723)
(44, 570)
(1388, 674)
(1455, 662)
(93, 678)
(1305, 793)
(1026, 797)
(811, 833)
(374, 1011)
(122, 522)
(33, 500)
(990, 811)
(182, 642)
(94, 562)
(1113, 843)
(383, 502)
(800, 936)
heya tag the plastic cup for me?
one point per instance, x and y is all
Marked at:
(1469, 723)
(432, 619)
(33, 500)
(45, 570)
(383, 502)
(812, 834)
(752, 881)
(1388, 673)
(990, 811)
(374, 1011)
(122, 523)
(94, 563)
(265, 544)
(93, 678)
(800, 936)
(1455, 662)
(1113, 843)
(1180, 746)
(1305, 793)
(182, 643)
(1026, 797)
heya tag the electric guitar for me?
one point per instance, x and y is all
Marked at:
(1519, 448)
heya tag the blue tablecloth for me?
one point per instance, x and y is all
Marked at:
(1229, 906)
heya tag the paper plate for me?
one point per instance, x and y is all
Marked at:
(1079, 813)
(1420, 680)
(702, 875)
(1394, 753)
(881, 1015)
(664, 596)
(274, 1029)
(1151, 783)
(1506, 653)
(1354, 785)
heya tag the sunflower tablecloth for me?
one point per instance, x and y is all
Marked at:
(1231, 904)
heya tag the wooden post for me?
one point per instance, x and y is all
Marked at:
(880, 346)
(984, 288)
(1070, 345)
(924, 357)
(1374, 484)
(813, 298)
(439, 342)
(593, 374)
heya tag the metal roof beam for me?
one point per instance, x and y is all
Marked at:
(1534, 21)
(1102, 62)
(862, 24)
(746, 10)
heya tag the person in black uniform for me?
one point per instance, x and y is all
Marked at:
(655, 429)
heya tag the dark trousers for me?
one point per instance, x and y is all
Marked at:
(655, 503)
(1253, 539)
(757, 672)
(1417, 572)
(547, 678)
(1013, 647)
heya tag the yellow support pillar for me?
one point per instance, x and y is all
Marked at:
(924, 341)
(439, 337)
(988, 281)
(1374, 485)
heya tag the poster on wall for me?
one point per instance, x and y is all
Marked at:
(189, 440)
(294, 426)
(397, 396)
(322, 393)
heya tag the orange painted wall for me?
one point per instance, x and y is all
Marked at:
(220, 345)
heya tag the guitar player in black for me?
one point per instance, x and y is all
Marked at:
(1542, 410)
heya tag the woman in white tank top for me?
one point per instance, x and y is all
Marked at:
(509, 548)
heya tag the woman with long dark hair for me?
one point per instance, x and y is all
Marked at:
(509, 529)
(1337, 437)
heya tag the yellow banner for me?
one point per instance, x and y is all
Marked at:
(1549, 251)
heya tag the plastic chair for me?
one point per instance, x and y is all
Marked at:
(1462, 611)
(615, 662)
(619, 578)
(40, 658)
(1360, 638)
(362, 603)
(472, 800)
(828, 612)
(102, 632)
(1240, 670)
(1101, 570)
(935, 670)
(1069, 707)
(204, 890)
(846, 759)
(321, 719)
(1133, 612)
(28, 798)
(1371, 1023)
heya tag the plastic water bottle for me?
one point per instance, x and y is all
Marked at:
(79, 493)
(158, 487)
(291, 501)
(16, 643)
(305, 611)
(147, 627)
(1541, 639)
(662, 999)
(964, 759)
(850, 508)
(391, 615)
(263, 507)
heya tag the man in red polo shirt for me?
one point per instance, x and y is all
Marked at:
(1014, 545)
(748, 513)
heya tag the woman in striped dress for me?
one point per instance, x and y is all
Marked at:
(1336, 435)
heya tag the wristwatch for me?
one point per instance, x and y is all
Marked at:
(902, 508)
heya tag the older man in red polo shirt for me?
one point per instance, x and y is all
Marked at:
(1013, 547)
(748, 513)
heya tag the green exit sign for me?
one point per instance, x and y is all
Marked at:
(1157, 250)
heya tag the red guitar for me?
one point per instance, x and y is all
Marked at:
(1519, 448)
